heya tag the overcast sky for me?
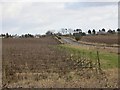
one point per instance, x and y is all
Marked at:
(37, 17)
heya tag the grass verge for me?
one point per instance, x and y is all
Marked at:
(108, 60)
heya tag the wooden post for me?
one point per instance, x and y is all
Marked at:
(91, 66)
(98, 61)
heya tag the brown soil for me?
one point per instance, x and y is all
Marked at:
(105, 39)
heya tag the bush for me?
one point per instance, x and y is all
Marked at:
(77, 38)
(59, 37)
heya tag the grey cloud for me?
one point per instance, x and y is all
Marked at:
(78, 5)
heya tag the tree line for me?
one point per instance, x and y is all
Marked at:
(103, 31)
(64, 31)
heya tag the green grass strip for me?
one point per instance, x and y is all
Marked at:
(108, 60)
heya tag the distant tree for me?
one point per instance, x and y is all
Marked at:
(30, 35)
(103, 30)
(78, 30)
(10, 36)
(74, 31)
(89, 31)
(3, 35)
(23, 36)
(7, 35)
(83, 34)
(118, 30)
(78, 34)
(94, 32)
(49, 33)
(110, 31)
(26, 35)
(113, 32)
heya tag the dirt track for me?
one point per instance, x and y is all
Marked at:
(110, 48)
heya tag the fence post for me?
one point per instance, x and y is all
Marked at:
(91, 60)
(98, 61)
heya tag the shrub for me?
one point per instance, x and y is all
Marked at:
(77, 38)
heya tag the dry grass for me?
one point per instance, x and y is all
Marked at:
(73, 81)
